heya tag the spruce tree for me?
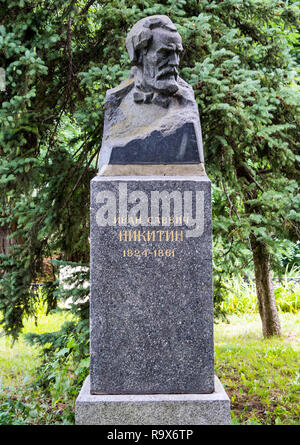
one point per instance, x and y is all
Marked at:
(60, 57)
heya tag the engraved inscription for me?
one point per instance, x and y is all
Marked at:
(150, 235)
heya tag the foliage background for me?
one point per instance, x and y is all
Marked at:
(60, 57)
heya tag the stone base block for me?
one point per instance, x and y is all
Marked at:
(151, 304)
(153, 409)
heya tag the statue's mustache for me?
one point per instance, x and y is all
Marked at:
(167, 72)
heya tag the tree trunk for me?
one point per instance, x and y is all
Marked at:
(264, 288)
(5, 243)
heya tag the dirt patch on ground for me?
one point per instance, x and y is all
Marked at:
(245, 405)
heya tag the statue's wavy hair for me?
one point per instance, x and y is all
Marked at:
(141, 34)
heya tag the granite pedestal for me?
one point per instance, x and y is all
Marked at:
(151, 308)
(153, 409)
(151, 286)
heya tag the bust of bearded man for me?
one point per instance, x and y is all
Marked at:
(152, 118)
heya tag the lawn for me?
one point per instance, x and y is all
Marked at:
(19, 402)
(20, 359)
(260, 376)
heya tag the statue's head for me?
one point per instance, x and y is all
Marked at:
(154, 45)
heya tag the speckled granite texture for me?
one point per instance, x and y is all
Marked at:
(151, 315)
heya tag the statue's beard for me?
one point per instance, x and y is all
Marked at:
(164, 81)
(167, 85)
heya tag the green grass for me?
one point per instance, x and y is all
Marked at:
(20, 359)
(260, 375)
(240, 296)
(18, 362)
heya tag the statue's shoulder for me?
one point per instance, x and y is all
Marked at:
(115, 96)
(118, 93)
(185, 90)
